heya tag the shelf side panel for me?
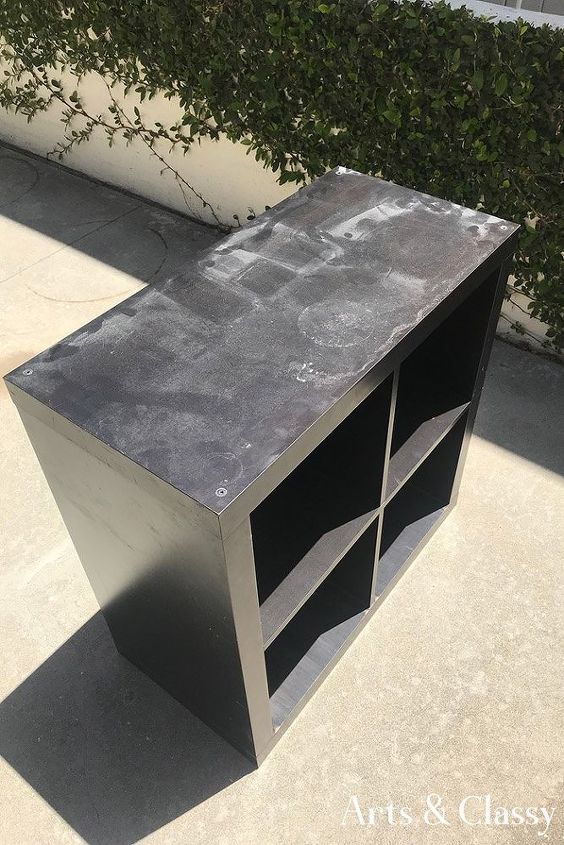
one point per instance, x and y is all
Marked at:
(500, 276)
(156, 564)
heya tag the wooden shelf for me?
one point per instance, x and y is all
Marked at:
(309, 521)
(309, 642)
(282, 604)
(220, 465)
(421, 502)
(415, 449)
(315, 536)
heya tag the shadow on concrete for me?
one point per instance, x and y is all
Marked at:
(522, 406)
(114, 754)
(119, 230)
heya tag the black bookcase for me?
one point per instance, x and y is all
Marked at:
(248, 456)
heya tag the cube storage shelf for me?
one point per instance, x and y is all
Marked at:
(250, 455)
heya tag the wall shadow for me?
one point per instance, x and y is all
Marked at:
(522, 406)
(118, 229)
(110, 751)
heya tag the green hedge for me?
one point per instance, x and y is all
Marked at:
(422, 94)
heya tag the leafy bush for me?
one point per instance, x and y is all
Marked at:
(422, 94)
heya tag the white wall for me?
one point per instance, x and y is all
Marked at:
(221, 172)
(229, 179)
(514, 310)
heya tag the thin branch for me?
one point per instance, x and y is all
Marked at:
(140, 133)
(523, 310)
(518, 328)
(128, 128)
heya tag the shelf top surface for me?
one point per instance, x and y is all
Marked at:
(206, 378)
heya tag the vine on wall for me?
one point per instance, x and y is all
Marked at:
(425, 95)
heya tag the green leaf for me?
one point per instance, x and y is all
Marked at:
(477, 81)
(501, 84)
(324, 8)
(392, 116)
(380, 10)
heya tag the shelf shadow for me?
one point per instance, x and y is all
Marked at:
(110, 751)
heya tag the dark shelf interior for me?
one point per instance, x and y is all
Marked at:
(300, 653)
(436, 382)
(314, 537)
(411, 452)
(310, 520)
(306, 576)
(417, 506)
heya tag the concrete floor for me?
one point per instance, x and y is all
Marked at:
(454, 688)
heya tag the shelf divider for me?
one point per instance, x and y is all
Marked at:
(282, 604)
(309, 671)
(404, 462)
(297, 659)
(403, 547)
(385, 471)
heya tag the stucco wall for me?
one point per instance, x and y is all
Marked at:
(231, 181)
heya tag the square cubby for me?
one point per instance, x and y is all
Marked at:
(415, 508)
(304, 527)
(436, 382)
(308, 644)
